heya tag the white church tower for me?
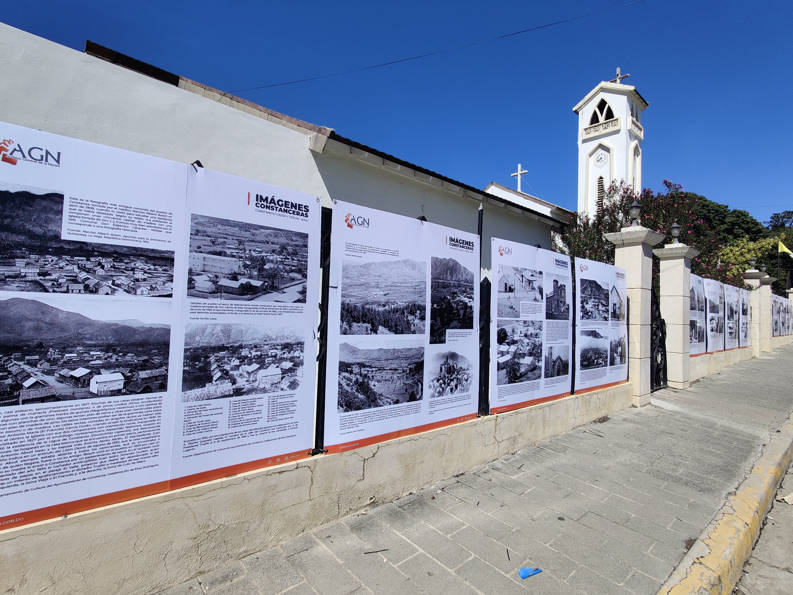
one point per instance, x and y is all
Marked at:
(610, 138)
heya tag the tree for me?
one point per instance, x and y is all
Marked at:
(501, 336)
(780, 221)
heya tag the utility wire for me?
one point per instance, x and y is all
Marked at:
(436, 52)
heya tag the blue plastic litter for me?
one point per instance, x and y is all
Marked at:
(527, 572)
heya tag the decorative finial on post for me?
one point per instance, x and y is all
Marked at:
(518, 174)
(675, 231)
(752, 262)
(763, 267)
(619, 77)
(633, 212)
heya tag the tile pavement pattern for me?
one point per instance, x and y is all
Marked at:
(604, 509)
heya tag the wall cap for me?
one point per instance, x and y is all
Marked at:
(634, 236)
(676, 251)
(767, 280)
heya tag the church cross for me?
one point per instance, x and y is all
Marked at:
(518, 174)
(619, 77)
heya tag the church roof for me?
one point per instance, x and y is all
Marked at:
(614, 88)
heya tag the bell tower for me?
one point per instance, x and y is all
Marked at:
(610, 136)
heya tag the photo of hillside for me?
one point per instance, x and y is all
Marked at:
(451, 298)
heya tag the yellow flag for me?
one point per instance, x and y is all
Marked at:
(783, 248)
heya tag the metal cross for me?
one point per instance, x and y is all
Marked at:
(518, 175)
(619, 77)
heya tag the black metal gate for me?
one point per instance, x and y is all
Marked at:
(657, 345)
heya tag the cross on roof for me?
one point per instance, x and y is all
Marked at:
(518, 174)
(619, 77)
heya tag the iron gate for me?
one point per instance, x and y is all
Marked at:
(657, 345)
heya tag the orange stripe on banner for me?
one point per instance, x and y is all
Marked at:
(190, 480)
(57, 510)
(52, 512)
(732, 349)
(600, 387)
(698, 354)
(524, 404)
(398, 434)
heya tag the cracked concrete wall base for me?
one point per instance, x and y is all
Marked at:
(777, 342)
(145, 545)
(710, 363)
(714, 563)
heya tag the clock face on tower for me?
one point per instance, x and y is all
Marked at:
(601, 158)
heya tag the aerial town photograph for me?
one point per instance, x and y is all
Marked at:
(383, 297)
(594, 300)
(78, 350)
(238, 261)
(593, 349)
(519, 350)
(34, 258)
(230, 360)
(451, 298)
(370, 378)
(516, 285)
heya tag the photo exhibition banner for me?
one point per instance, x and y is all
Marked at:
(99, 273)
(732, 311)
(248, 332)
(403, 337)
(601, 325)
(714, 304)
(697, 322)
(530, 325)
(780, 316)
(745, 332)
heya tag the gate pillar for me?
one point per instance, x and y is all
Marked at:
(752, 278)
(766, 317)
(634, 254)
(675, 309)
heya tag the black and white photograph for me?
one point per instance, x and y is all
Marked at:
(371, 378)
(383, 298)
(450, 373)
(716, 324)
(593, 349)
(519, 351)
(714, 306)
(557, 303)
(696, 331)
(34, 258)
(239, 261)
(516, 285)
(618, 351)
(557, 361)
(231, 360)
(731, 311)
(744, 307)
(744, 331)
(451, 298)
(594, 300)
(618, 305)
(696, 299)
(63, 348)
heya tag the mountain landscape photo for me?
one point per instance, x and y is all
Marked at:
(451, 298)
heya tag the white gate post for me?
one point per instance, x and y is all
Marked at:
(752, 278)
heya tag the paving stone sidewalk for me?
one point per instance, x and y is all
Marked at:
(608, 508)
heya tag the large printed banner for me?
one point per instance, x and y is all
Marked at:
(780, 316)
(697, 323)
(531, 325)
(745, 332)
(249, 357)
(732, 321)
(403, 338)
(601, 323)
(106, 270)
(714, 298)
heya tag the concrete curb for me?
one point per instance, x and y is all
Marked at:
(715, 562)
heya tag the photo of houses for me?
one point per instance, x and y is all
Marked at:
(449, 374)
(383, 298)
(557, 304)
(519, 351)
(716, 324)
(696, 331)
(230, 360)
(696, 299)
(238, 261)
(618, 304)
(371, 378)
(557, 361)
(34, 258)
(516, 285)
(57, 348)
(618, 351)
(451, 298)
(593, 349)
(594, 300)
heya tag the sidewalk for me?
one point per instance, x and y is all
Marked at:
(609, 508)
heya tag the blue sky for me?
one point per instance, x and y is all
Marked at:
(717, 75)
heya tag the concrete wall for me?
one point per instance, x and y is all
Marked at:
(710, 363)
(777, 342)
(145, 545)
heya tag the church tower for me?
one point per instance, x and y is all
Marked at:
(610, 138)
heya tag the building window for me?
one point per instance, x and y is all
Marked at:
(602, 113)
(601, 194)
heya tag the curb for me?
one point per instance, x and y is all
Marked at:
(714, 564)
